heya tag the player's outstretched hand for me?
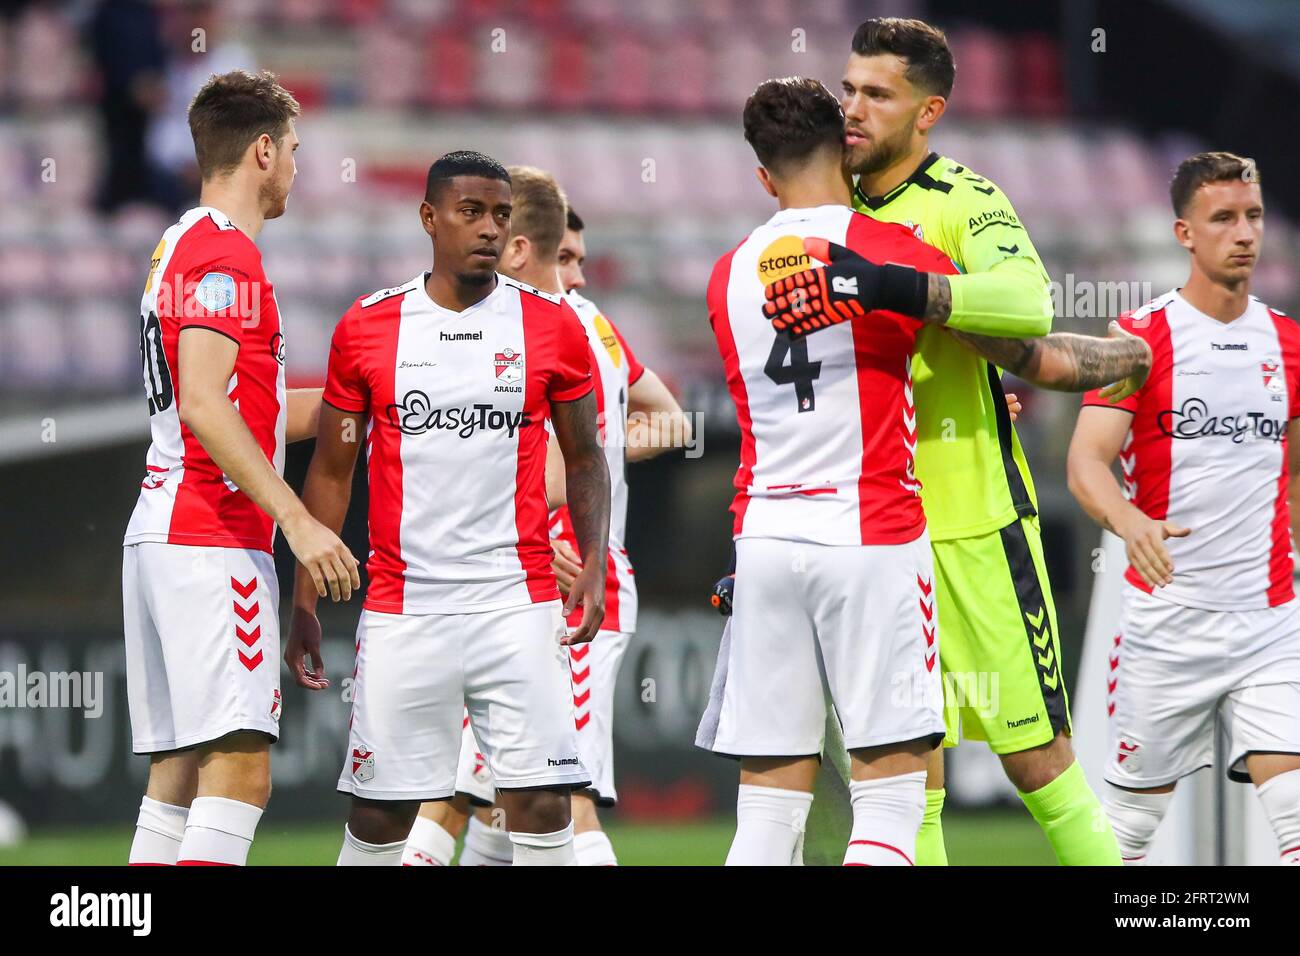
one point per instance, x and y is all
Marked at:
(332, 567)
(1116, 392)
(304, 645)
(1144, 542)
(566, 564)
(1013, 405)
(588, 593)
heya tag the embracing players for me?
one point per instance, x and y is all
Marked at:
(451, 378)
(1209, 446)
(834, 593)
(993, 593)
(199, 592)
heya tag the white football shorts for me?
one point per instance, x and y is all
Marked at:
(855, 624)
(1174, 668)
(416, 674)
(202, 644)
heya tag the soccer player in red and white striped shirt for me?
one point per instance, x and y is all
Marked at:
(1210, 449)
(834, 580)
(199, 590)
(451, 378)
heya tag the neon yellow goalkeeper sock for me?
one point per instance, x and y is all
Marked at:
(929, 841)
(1073, 821)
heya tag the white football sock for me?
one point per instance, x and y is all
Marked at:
(486, 846)
(887, 814)
(428, 845)
(1281, 799)
(769, 826)
(544, 849)
(359, 853)
(593, 848)
(158, 833)
(218, 832)
(1135, 817)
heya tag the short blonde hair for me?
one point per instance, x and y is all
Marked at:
(539, 209)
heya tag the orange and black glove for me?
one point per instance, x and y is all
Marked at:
(847, 287)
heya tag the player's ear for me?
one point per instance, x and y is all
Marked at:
(516, 253)
(1183, 233)
(765, 180)
(426, 218)
(263, 147)
(932, 109)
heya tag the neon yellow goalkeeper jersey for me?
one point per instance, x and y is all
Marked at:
(973, 472)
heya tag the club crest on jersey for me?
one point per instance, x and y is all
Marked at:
(363, 765)
(215, 292)
(1271, 370)
(509, 366)
(275, 705)
(916, 229)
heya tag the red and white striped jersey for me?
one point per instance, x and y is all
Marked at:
(827, 424)
(457, 404)
(1207, 449)
(206, 273)
(616, 369)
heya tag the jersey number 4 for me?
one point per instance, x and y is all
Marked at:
(157, 376)
(798, 372)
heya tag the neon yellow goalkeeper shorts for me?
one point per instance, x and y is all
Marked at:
(998, 644)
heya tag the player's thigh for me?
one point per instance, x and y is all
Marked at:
(1160, 702)
(773, 703)
(594, 669)
(202, 637)
(473, 778)
(1000, 648)
(519, 696)
(405, 731)
(873, 611)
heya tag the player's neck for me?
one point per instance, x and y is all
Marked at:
(814, 186)
(236, 202)
(886, 180)
(450, 293)
(544, 278)
(1215, 299)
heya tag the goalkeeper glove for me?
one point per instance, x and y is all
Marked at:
(722, 591)
(848, 287)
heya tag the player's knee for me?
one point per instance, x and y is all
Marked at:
(1036, 767)
(382, 821)
(537, 811)
(1134, 816)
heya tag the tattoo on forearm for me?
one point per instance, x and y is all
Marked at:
(586, 479)
(938, 302)
(1020, 357)
(1094, 362)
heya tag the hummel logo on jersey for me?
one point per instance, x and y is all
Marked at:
(413, 415)
(563, 762)
(844, 285)
(1194, 420)
(460, 336)
(1229, 346)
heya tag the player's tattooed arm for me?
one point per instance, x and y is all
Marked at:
(938, 300)
(1066, 362)
(587, 492)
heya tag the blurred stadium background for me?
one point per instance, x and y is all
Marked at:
(635, 106)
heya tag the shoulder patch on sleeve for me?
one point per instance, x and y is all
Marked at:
(216, 291)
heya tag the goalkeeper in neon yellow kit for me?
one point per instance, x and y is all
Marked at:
(995, 603)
